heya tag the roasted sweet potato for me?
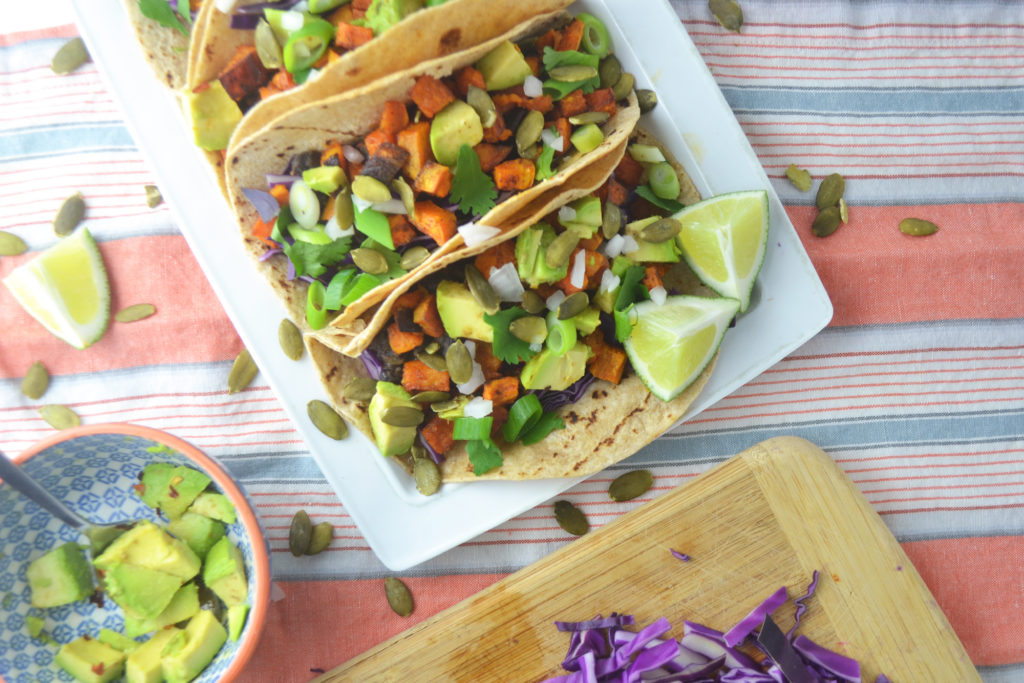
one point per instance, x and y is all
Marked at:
(549, 39)
(418, 376)
(594, 263)
(502, 391)
(491, 155)
(435, 221)
(386, 162)
(409, 299)
(426, 316)
(629, 172)
(501, 253)
(466, 77)
(564, 129)
(601, 100)
(280, 193)
(654, 274)
(415, 139)
(244, 74)
(572, 104)
(438, 434)
(497, 132)
(514, 174)
(374, 139)
(402, 342)
(402, 231)
(431, 95)
(281, 81)
(435, 179)
(608, 361)
(350, 36)
(394, 118)
(489, 363)
(572, 34)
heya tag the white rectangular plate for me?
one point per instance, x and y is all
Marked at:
(693, 120)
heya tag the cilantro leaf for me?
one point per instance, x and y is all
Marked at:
(484, 454)
(670, 205)
(544, 170)
(472, 189)
(507, 346)
(547, 423)
(629, 292)
(160, 12)
(313, 259)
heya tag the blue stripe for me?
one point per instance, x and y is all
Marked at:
(23, 144)
(864, 102)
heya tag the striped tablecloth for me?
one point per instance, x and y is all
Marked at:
(916, 388)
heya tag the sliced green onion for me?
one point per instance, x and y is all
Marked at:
(358, 286)
(596, 40)
(561, 335)
(624, 322)
(374, 225)
(628, 289)
(316, 312)
(522, 416)
(304, 205)
(306, 45)
(472, 428)
(547, 423)
(587, 138)
(336, 288)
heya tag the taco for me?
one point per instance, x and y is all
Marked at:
(551, 392)
(345, 198)
(165, 35)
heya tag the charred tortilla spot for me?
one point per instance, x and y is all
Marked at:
(450, 40)
(571, 417)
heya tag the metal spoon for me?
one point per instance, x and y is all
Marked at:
(99, 535)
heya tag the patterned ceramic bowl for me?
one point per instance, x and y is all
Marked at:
(93, 470)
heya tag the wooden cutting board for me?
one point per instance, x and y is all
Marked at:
(765, 518)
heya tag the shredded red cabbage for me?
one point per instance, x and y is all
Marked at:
(738, 633)
(679, 556)
(553, 399)
(801, 605)
(244, 22)
(372, 364)
(281, 179)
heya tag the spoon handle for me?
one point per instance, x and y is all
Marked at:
(33, 490)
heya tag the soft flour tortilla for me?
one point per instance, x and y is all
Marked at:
(608, 424)
(349, 117)
(166, 49)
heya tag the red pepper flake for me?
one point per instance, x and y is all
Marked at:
(98, 668)
(86, 636)
(140, 489)
(173, 492)
(835, 577)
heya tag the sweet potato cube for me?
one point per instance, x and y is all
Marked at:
(418, 376)
(435, 221)
(572, 104)
(572, 35)
(431, 95)
(403, 342)
(608, 361)
(244, 74)
(489, 363)
(491, 155)
(350, 36)
(466, 77)
(564, 130)
(629, 172)
(502, 391)
(402, 231)
(438, 434)
(426, 316)
(495, 257)
(435, 179)
(514, 175)
(394, 118)
(498, 131)
(415, 139)
(374, 139)
(601, 100)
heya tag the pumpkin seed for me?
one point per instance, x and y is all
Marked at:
(630, 485)
(59, 417)
(432, 361)
(529, 130)
(481, 290)
(326, 419)
(611, 220)
(290, 339)
(460, 363)
(826, 222)
(661, 230)
(444, 406)
(369, 261)
(370, 189)
(36, 381)
(531, 329)
(344, 211)
(426, 475)
(533, 303)
(800, 177)
(432, 347)
(647, 99)
(571, 518)
(728, 13)
(69, 215)
(134, 312)
(300, 533)
(623, 86)
(609, 71)
(398, 596)
(360, 389)
(574, 304)
(413, 256)
(267, 47)
(11, 244)
(320, 538)
(917, 227)
(70, 56)
(418, 451)
(405, 193)
(430, 397)
(243, 371)
(483, 105)
(830, 191)
(153, 196)
(402, 416)
(844, 211)
(532, 152)
(571, 73)
(589, 117)
(561, 248)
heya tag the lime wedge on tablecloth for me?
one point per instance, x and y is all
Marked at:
(65, 288)
(724, 239)
(673, 342)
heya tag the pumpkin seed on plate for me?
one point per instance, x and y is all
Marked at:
(482, 290)
(360, 389)
(661, 230)
(826, 222)
(398, 596)
(344, 210)
(561, 248)
(11, 244)
(70, 56)
(267, 48)
(647, 99)
(433, 361)
(370, 189)
(917, 227)
(369, 261)
(36, 381)
(320, 538)
(533, 303)
(483, 105)
(611, 220)
(460, 362)
(623, 86)
(573, 305)
(529, 130)
(531, 329)
(300, 533)
(571, 518)
(630, 485)
(589, 117)
(153, 196)
(290, 338)
(426, 475)
(609, 71)
(571, 73)
(830, 191)
(402, 416)
(429, 397)
(326, 419)
(59, 417)
(134, 312)
(800, 177)
(69, 215)
(844, 211)
(243, 371)
(413, 256)
(728, 13)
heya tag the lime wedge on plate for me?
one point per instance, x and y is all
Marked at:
(65, 288)
(673, 342)
(724, 239)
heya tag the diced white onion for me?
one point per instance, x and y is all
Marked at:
(579, 269)
(554, 300)
(292, 20)
(566, 214)
(475, 234)
(506, 283)
(536, 347)
(629, 245)
(361, 203)
(335, 231)
(312, 75)
(533, 86)
(301, 6)
(225, 6)
(613, 247)
(478, 407)
(393, 205)
(352, 155)
(476, 379)
(658, 295)
(553, 140)
(609, 281)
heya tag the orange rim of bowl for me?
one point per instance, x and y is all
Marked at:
(261, 560)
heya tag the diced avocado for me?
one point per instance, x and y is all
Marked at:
(214, 506)
(587, 320)
(91, 661)
(224, 572)
(171, 490)
(460, 313)
(504, 67)
(605, 299)
(531, 247)
(326, 179)
(118, 640)
(183, 605)
(184, 657)
(144, 665)
(456, 125)
(198, 531)
(587, 138)
(588, 211)
(148, 546)
(144, 591)
(214, 116)
(651, 252)
(34, 625)
(383, 14)
(585, 231)
(549, 371)
(60, 576)
(236, 620)
(156, 477)
(390, 440)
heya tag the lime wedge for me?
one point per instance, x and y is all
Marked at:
(65, 288)
(672, 343)
(724, 239)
